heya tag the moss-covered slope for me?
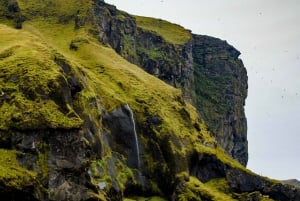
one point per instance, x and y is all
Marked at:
(206, 69)
(79, 122)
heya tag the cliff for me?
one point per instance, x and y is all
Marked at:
(207, 69)
(80, 122)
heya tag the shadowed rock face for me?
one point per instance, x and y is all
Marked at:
(67, 132)
(241, 182)
(122, 136)
(221, 89)
(171, 63)
(207, 69)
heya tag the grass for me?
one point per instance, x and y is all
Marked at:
(155, 198)
(29, 77)
(117, 173)
(33, 85)
(196, 190)
(120, 82)
(53, 8)
(172, 33)
(11, 174)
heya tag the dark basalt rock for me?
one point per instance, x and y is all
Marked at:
(282, 192)
(14, 12)
(207, 69)
(241, 182)
(122, 137)
(221, 90)
(78, 140)
(206, 167)
(17, 195)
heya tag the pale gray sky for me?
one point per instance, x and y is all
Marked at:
(267, 33)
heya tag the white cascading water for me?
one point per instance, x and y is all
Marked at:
(135, 135)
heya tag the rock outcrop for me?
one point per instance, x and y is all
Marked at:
(79, 122)
(221, 90)
(207, 69)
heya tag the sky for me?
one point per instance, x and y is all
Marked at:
(267, 33)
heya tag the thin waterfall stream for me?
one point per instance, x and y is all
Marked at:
(135, 136)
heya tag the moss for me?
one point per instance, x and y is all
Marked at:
(49, 8)
(256, 195)
(121, 15)
(196, 190)
(111, 171)
(12, 175)
(28, 74)
(155, 55)
(43, 160)
(116, 80)
(155, 198)
(210, 94)
(221, 155)
(32, 80)
(172, 33)
(219, 184)
(266, 199)
(129, 48)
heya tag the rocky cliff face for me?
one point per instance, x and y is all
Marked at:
(170, 60)
(79, 122)
(221, 90)
(205, 68)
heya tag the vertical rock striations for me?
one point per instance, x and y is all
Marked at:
(221, 90)
(207, 69)
(169, 59)
(67, 131)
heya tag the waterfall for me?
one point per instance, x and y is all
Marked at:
(135, 136)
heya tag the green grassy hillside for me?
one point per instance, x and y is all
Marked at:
(37, 62)
(172, 33)
(58, 83)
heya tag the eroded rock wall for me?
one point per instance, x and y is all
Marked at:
(81, 123)
(221, 89)
(171, 63)
(207, 70)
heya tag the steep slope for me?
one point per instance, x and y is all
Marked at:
(221, 90)
(207, 69)
(293, 182)
(79, 122)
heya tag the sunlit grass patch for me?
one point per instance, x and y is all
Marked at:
(11, 173)
(172, 33)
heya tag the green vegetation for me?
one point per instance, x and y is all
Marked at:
(43, 160)
(172, 33)
(110, 171)
(37, 64)
(65, 10)
(101, 71)
(12, 175)
(145, 199)
(195, 190)
(210, 94)
(29, 78)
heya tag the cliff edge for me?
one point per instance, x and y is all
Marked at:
(207, 69)
(82, 120)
